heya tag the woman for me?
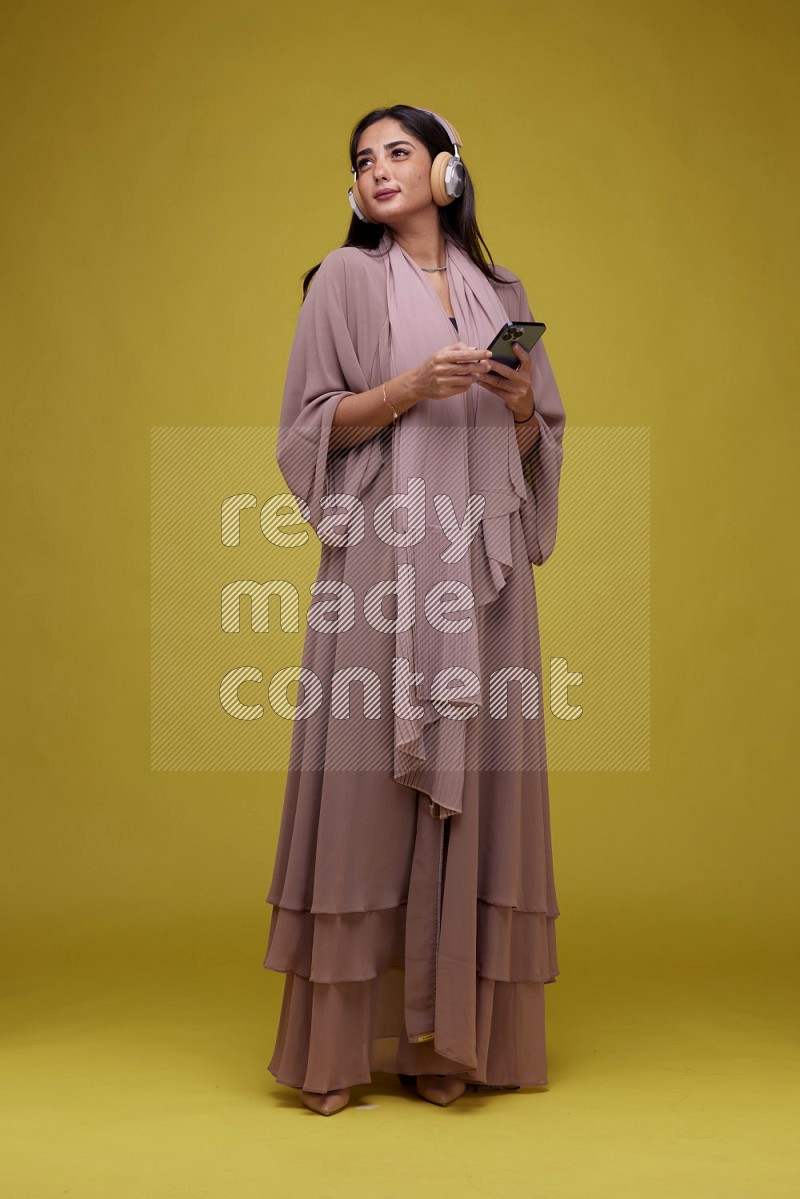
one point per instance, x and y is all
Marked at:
(413, 898)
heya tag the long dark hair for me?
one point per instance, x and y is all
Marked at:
(456, 218)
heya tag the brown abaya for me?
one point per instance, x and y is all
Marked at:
(409, 944)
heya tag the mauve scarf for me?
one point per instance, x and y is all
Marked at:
(461, 446)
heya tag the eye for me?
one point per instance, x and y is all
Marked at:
(361, 161)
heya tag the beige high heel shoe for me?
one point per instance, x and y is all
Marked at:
(440, 1088)
(327, 1104)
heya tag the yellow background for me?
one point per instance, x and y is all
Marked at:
(170, 170)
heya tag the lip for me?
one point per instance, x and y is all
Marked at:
(386, 192)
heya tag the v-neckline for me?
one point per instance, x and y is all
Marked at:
(428, 282)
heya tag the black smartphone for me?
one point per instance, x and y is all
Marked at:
(527, 333)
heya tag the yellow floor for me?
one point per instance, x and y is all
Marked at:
(135, 1068)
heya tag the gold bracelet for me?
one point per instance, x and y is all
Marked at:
(394, 412)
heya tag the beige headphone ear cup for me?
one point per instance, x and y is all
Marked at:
(438, 170)
(360, 202)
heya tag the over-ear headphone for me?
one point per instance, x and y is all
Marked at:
(447, 173)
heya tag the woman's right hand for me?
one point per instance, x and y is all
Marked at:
(449, 371)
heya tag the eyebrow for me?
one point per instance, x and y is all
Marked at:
(386, 146)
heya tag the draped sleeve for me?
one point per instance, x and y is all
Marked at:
(542, 465)
(324, 365)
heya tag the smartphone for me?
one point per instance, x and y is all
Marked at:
(527, 333)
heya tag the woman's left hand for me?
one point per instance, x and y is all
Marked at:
(514, 386)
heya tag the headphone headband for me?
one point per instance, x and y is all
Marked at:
(448, 128)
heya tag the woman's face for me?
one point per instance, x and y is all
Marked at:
(390, 159)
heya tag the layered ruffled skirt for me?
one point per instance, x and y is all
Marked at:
(357, 978)
(412, 944)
